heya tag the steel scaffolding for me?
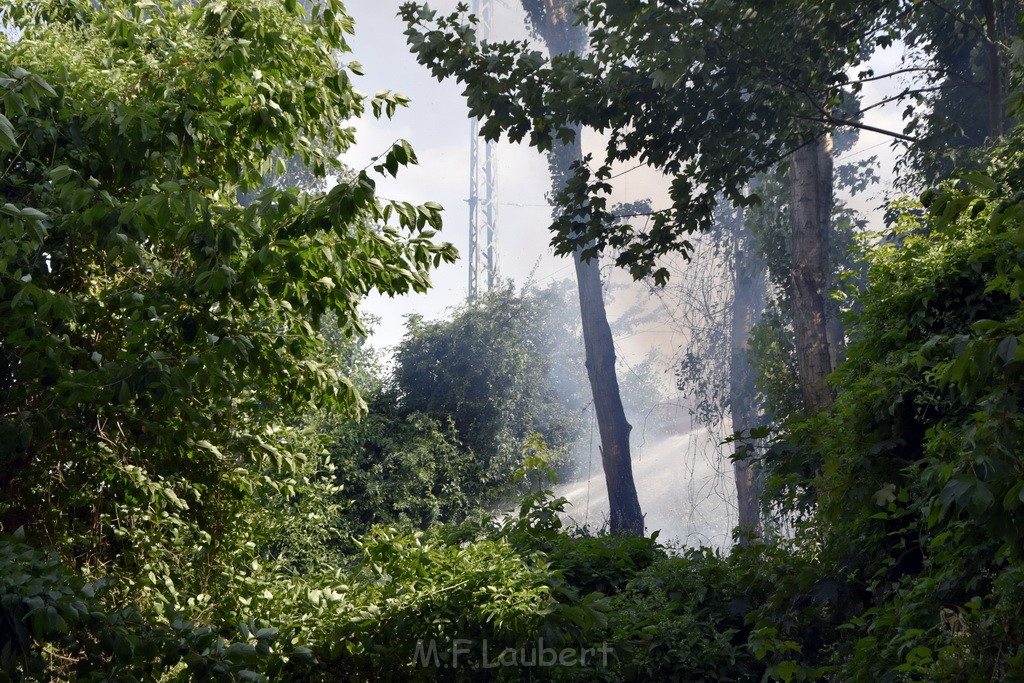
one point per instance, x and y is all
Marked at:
(483, 214)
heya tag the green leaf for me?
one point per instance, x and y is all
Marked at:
(8, 141)
(786, 669)
(1007, 349)
(206, 445)
(986, 325)
(980, 180)
(124, 395)
(1014, 497)
(885, 495)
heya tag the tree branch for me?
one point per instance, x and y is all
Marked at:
(907, 93)
(910, 69)
(833, 121)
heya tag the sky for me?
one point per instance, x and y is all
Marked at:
(437, 125)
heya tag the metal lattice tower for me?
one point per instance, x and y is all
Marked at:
(483, 211)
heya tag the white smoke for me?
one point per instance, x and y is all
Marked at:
(685, 487)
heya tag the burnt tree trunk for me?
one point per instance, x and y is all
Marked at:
(810, 176)
(834, 329)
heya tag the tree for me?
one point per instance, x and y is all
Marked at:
(810, 173)
(749, 289)
(702, 91)
(963, 50)
(663, 81)
(717, 302)
(922, 449)
(555, 21)
(498, 370)
(705, 93)
(159, 340)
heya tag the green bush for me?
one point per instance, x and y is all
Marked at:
(921, 484)
(53, 624)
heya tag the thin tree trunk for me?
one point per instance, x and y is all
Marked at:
(993, 70)
(810, 203)
(834, 329)
(625, 514)
(748, 302)
(555, 21)
(599, 347)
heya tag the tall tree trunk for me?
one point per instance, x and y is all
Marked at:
(599, 347)
(555, 21)
(993, 69)
(625, 514)
(749, 287)
(810, 176)
(834, 329)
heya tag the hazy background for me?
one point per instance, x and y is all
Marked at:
(437, 125)
(684, 484)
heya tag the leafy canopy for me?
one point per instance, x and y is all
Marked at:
(704, 92)
(158, 339)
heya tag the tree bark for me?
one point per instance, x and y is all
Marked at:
(994, 70)
(555, 21)
(834, 329)
(810, 176)
(749, 287)
(599, 347)
(624, 506)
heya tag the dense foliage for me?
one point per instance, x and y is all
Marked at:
(502, 368)
(185, 496)
(158, 337)
(932, 392)
(962, 59)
